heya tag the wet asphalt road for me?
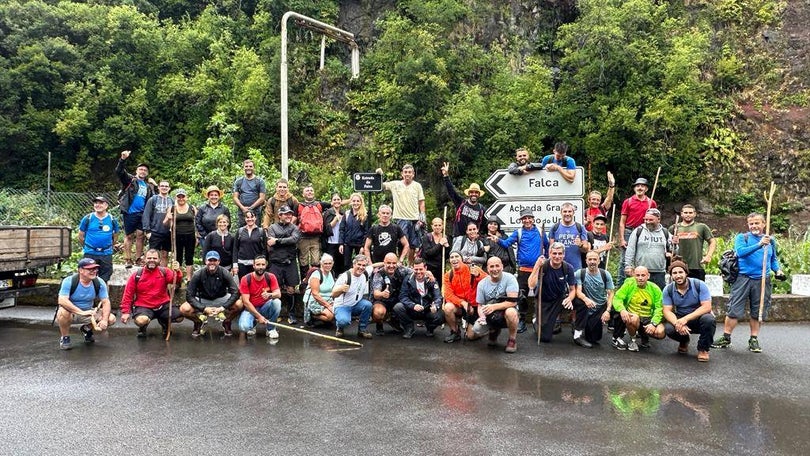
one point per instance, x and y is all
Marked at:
(299, 396)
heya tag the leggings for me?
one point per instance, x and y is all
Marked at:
(186, 244)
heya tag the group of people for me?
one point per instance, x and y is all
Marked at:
(351, 268)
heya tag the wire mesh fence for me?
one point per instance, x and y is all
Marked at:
(26, 207)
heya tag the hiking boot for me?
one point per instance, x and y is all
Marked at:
(64, 343)
(364, 334)
(339, 332)
(645, 341)
(557, 327)
(409, 332)
(619, 343)
(394, 323)
(226, 328)
(511, 346)
(722, 342)
(703, 356)
(272, 334)
(493, 337)
(88, 334)
(141, 332)
(521, 327)
(380, 329)
(683, 349)
(128, 264)
(632, 346)
(753, 345)
(429, 332)
(453, 337)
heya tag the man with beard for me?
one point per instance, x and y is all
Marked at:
(282, 248)
(460, 288)
(558, 288)
(260, 296)
(632, 216)
(212, 292)
(558, 161)
(282, 197)
(146, 294)
(572, 235)
(154, 214)
(419, 299)
(594, 298)
(249, 192)
(639, 305)
(385, 237)
(689, 237)
(135, 192)
(497, 296)
(649, 246)
(521, 165)
(688, 309)
(468, 210)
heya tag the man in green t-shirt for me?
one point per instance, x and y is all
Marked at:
(689, 237)
(639, 303)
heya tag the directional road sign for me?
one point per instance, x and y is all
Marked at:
(367, 182)
(548, 212)
(535, 185)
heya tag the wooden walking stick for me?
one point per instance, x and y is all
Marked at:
(677, 246)
(610, 234)
(655, 184)
(312, 333)
(769, 199)
(172, 257)
(444, 236)
(538, 310)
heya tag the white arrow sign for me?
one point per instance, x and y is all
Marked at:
(536, 184)
(545, 212)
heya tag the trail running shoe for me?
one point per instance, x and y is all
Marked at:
(88, 334)
(619, 344)
(632, 346)
(753, 345)
(721, 342)
(64, 343)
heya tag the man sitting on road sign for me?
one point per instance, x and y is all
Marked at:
(76, 297)
(146, 295)
(558, 161)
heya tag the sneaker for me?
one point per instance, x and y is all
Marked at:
(339, 332)
(632, 346)
(619, 343)
(721, 342)
(521, 327)
(453, 337)
(88, 334)
(703, 356)
(226, 328)
(582, 342)
(683, 348)
(272, 334)
(409, 332)
(251, 332)
(364, 334)
(645, 342)
(64, 343)
(511, 346)
(292, 320)
(557, 327)
(493, 337)
(396, 325)
(753, 345)
(380, 330)
(203, 325)
(220, 316)
(429, 332)
(141, 332)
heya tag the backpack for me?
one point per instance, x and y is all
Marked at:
(602, 273)
(349, 277)
(730, 264)
(84, 225)
(691, 283)
(310, 218)
(74, 284)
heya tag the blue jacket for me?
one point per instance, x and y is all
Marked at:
(352, 232)
(532, 244)
(750, 254)
(409, 296)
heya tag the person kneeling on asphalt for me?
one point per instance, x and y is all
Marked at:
(212, 292)
(687, 309)
(419, 299)
(76, 297)
(557, 290)
(386, 283)
(261, 299)
(594, 298)
(146, 295)
(350, 292)
(460, 287)
(498, 295)
(639, 305)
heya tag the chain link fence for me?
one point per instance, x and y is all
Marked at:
(29, 208)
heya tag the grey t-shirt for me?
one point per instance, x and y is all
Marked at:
(249, 189)
(489, 292)
(593, 287)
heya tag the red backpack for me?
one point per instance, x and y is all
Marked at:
(310, 218)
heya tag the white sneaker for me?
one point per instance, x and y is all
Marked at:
(251, 332)
(272, 334)
(632, 346)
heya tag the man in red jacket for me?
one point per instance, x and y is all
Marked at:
(146, 294)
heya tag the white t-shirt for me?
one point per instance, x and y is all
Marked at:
(358, 288)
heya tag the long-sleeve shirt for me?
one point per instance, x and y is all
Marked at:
(470, 249)
(222, 244)
(150, 290)
(465, 211)
(410, 295)
(750, 255)
(287, 237)
(644, 302)
(648, 248)
(531, 245)
(248, 244)
(206, 218)
(206, 285)
(459, 285)
(155, 212)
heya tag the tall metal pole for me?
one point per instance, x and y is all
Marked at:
(48, 190)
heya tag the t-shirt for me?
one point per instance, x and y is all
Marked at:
(687, 303)
(325, 289)
(98, 234)
(635, 209)
(569, 162)
(358, 289)
(690, 242)
(593, 287)
(84, 295)
(139, 200)
(406, 199)
(249, 189)
(556, 282)
(567, 235)
(384, 240)
(257, 286)
(490, 292)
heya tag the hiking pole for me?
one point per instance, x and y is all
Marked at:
(655, 184)
(444, 236)
(312, 333)
(769, 199)
(172, 258)
(538, 308)
(610, 234)
(677, 248)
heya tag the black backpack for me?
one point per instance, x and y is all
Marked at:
(730, 264)
(74, 284)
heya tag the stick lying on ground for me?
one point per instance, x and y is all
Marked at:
(312, 333)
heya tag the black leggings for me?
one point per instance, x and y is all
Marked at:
(186, 244)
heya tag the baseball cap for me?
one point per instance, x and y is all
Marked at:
(654, 211)
(101, 198)
(284, 210)
(212, 254)
(180, 192)
(526, 213)
(600, 217)
(88, 263)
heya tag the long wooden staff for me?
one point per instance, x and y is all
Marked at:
(538, 312)
(655, 184)
(444, 236)
(677, 247)
(172, 257)
(610, 234)
(769, 199)
(312, 333)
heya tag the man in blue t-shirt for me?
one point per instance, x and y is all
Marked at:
(558, 161)
(688, 309)
(135, 191)
(76, 297)
(97, 235)
(572, 235)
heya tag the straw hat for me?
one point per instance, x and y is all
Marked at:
(212, 188)
(474, 188)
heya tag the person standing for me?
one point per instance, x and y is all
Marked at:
(222, 242)
(97, 235)
(282, 197)
(146, 295)
(572, 235)
(135, 192)
(409, 208)
(470, 246)
(385, 237)
(208, 214)
(332, 220)
(632, 216)
(157, 231)
(282, 246)
(434, 247)
(249, 243)
(689, 237)
(249, 192)
(598, 207)
(507, 255)
(354, 229)
(649, 246)
(751, 249)
(468, 210)
(185, 233)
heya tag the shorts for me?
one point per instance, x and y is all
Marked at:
(497, 319)
(161, 313)
(747, 289)
(644, 321)
(288, 274)
(411, 233)
(160, 241)
(133, 222)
